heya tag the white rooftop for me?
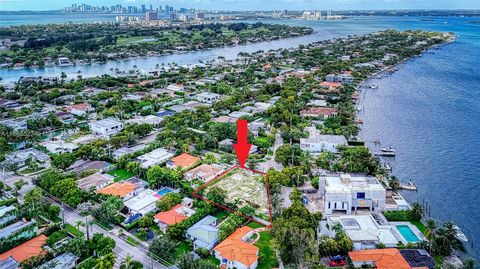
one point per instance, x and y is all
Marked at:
(345, 183)
(140, 202)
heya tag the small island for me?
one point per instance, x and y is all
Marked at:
(70, 44)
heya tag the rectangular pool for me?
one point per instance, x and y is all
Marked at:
(407, 233)
(164, 191)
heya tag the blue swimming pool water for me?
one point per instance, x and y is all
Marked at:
(407, 233)
(164, 191)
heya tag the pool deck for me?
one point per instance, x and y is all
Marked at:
(412, 227)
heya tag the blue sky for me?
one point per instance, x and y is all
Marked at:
(254, 4)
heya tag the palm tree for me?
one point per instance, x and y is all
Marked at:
(430, 231)
(106, 262)
(417, 209)
(127, 263)
(79, 223)
(469, 264)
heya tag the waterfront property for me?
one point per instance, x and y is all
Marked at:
(347, 193)
(409, 232)
(236, 252)
(391, 258)
(316, 142)
(367, 231)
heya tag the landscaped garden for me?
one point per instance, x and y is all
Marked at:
(121, 174)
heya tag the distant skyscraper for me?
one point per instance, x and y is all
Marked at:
(167, 9)
(160, 9)
(151, 8)
(143, 9)
(151, 16)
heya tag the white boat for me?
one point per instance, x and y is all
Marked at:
(388, 150)
(374, 86)
(460, 235)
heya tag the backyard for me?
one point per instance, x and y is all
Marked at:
(121, 174)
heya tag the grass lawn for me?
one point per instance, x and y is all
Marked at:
(221, 215)
(133, 39)
(182, 248)
(419, 225)
(121, 174)
(255, 225)
(132, 241)
(268, 259)
(211, 259)
(73, 230)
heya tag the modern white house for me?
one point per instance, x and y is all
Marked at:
(59, 146)
(66, 260)
(208, 97)
(117, 154)
(317, 142)
(22, 158)
(106, 127)
(157, 156)
(143, 203)
(366, 231)
(176, 87)
(204, 233)
(345, 193)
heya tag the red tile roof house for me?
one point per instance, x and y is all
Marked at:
(184, 161)
(204, 172)
(235, 252)
(173, 216)
(319, 112)
(79, 109)
(32, 247)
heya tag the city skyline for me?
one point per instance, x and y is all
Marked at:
(13, 5)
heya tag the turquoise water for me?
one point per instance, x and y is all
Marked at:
(407, 233)
(164, 191)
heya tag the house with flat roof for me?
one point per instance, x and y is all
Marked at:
(31, 248)
(204, 172)
(67, 260)
(387, 258)
(173, 216)
(15, 124)
(316, 142)
(18, 229)
(154, 157)
(208, 97)
(59, 146)
(176, 87)
(143, 203)
(184, 161)
(22, 157)
(235, 252)
(106, 127)
(9, 263)
(345, 193)
(79, 109)
(7, 214)
(95, 181)
(204, 233)
(367, 231)
(117, 154)
(149, 119)
(124, 190)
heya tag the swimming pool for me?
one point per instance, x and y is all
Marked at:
(164, 191)
(408, 234)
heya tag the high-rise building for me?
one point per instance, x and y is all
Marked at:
(151, 16)
(151, 7)
(143, 9)
(167, 9)
(199, 16)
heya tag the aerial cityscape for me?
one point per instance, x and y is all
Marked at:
(202, 134)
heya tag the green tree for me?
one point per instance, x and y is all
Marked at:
(163, 247)
(107, 261)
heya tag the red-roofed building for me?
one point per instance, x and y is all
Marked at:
(173, 216)
(317, 112)
(388, 258)
(79, 109)
(183, 161)
(31, 248)
(235, 252)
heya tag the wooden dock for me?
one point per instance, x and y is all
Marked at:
(408, 187)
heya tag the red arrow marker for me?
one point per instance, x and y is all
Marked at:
(242, 148)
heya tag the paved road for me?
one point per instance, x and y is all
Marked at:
(122, 248)
(278, 142)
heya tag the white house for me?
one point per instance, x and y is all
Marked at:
(143, 203)
(157, 156)
(176, 87)
(117, 154)
(59, 146)
(346, 193)
(317, 142)
(66, 260)
(208, 97)
(21, 158)
(106, 127)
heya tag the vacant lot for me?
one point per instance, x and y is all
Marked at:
(247, 187)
